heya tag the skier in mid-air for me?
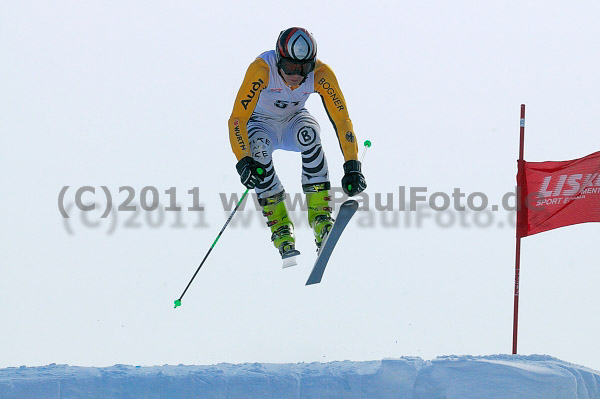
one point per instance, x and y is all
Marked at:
(269, 114)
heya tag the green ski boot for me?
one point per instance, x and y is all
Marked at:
(282, 228)
(319, 211)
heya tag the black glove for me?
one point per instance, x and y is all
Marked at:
(250, 171)
(353, 181)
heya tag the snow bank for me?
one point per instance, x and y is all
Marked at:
(452, 377)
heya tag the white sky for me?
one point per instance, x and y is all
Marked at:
(137, 93)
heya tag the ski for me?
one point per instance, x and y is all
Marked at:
(289, 258)
(346, 212)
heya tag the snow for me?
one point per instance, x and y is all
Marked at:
(449, 377)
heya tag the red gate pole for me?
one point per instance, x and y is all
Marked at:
(518, 245)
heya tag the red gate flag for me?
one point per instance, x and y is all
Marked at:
(557, 194)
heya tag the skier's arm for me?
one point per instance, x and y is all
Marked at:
(327, 86)
(256, 79)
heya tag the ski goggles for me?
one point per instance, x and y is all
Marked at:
(290, 67)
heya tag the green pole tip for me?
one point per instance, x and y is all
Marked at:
(177, 303)
(367, 143)
(259, 171)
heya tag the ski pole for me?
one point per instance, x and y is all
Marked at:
(178, 301)
(367, 145)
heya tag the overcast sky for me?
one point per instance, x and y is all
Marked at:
(138, 93)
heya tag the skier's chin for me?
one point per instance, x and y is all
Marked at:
(293, 80)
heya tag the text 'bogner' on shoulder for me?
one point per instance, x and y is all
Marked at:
(255, 86)
(331, 92)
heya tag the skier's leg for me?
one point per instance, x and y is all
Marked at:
(270, 192)
(263, 141)
(304, 136)
(282, 228)
(319, 210)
